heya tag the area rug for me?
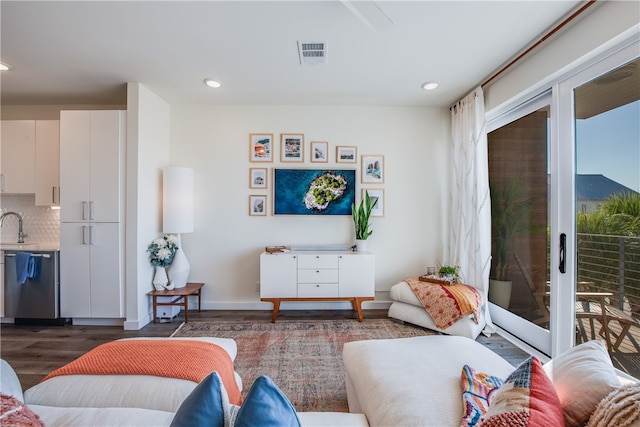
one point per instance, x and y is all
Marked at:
(303, 358)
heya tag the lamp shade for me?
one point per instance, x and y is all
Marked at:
(177, 200)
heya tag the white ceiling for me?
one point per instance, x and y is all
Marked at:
(83, 52)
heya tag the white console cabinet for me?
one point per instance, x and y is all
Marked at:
(317, 276)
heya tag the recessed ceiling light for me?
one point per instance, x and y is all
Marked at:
(212, 83)
(4, 67)
(429, 85)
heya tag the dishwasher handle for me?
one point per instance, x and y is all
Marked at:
(35, 255)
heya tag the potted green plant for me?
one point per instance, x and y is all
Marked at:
(509, 212)
(449, 272)
(361, 220)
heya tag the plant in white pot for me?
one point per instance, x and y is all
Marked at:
(449, 272)
(509, 212)
(361, 221)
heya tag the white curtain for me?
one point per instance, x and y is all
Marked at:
(470, 204)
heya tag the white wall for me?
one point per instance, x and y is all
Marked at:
(148, 119)
(583, 39)
(225, 247)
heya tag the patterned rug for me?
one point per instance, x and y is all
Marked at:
(304, 358)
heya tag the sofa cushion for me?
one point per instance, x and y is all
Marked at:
(477, 388)
(14, 412)
(9, 381)
(414, 381)
(120, 390)
(527, 398)
(621, 407)
(134, 417)
(582, 377)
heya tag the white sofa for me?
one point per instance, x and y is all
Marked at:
(127, 400)
(394, 382)
(417, 381)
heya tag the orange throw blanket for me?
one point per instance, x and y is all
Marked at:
(183, 359)
(446, 304)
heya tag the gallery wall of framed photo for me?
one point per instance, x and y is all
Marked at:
(291, 151)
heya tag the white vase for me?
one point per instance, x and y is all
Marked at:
(160, 279)
(362, 245)
(179, 269)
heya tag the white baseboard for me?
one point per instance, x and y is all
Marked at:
(84, 321)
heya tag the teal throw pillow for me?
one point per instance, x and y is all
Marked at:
(266, 406)
(203, 407)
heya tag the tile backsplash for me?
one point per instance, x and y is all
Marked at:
(40, 223)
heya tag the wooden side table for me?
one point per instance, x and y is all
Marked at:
(181, 298)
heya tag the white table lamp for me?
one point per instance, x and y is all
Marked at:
(177, 217)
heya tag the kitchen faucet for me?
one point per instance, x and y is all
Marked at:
(21, 235)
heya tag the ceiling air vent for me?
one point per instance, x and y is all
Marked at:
(312, 52)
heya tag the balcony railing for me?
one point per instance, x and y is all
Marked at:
(612, 264)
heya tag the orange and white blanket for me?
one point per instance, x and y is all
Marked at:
(446, 304)
(183, 359)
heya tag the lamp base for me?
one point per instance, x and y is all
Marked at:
(179, 269)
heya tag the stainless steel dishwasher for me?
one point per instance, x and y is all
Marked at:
(37, 300)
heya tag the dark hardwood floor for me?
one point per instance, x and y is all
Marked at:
(34, 351)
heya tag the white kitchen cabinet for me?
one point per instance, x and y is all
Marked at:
(91, 166)
(18, 153)
(91, 270)
(317, 276)
(91, 214)
(47, 161)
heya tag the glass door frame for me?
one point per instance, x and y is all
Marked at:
(534, 335)
(558, 94)
(563, 334)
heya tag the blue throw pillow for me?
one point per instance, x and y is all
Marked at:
(266, 406)
(203, 407)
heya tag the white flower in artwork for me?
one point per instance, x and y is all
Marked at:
(172, 238)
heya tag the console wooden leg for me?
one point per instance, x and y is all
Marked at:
(357, 305)
(155, 306)
(276, 309)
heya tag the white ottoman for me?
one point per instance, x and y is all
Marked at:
(407, 307)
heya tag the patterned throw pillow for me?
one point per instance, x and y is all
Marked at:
(15, 413)
(527, 398)
(476, 389)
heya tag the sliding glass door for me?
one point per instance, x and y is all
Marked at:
(519, 181)
(555, 163)
(607, 198)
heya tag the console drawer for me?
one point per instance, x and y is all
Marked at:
(318, 276)
(318, 261)
(317, 290)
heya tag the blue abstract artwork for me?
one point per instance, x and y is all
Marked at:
(313, 191)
